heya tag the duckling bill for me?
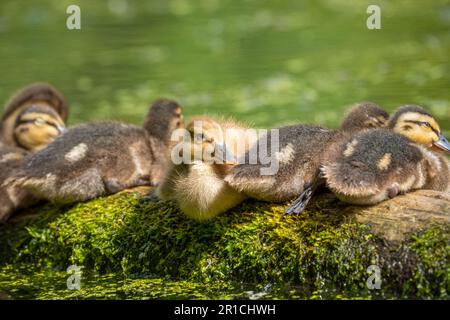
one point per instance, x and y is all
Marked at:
(97, 159)
(371, 167)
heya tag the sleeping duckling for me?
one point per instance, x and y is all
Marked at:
(301, 150)
(363, 116)
(196, 184)
(33, 118)
(373, 166)
(97, 159)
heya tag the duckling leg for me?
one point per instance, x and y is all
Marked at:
(302, 201)
(393, 191)
(114, 186)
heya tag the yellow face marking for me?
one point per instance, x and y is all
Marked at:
(409, 125)
(375, 122)
(382, 121)
(204, 134)
(37, 130)
(208, 142)
(384, 162)
(42, 117)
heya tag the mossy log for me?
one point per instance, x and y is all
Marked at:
(330, 246)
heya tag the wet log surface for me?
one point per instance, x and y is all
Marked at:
(395, 218)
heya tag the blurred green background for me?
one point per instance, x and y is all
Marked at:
(265, 62)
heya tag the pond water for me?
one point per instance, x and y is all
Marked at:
(25, 282)
(264, 62)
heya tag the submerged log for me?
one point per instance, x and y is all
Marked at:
(329, 247)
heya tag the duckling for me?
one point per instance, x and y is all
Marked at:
(301, 148)
(97, 159)
(373, 166)
(33, 118)
(209, 150)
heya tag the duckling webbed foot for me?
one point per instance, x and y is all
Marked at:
(301, 202)
(393, 191)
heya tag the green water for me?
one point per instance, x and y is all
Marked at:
(265, 62)
(23, 282)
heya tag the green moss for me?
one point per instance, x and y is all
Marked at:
(319, 254)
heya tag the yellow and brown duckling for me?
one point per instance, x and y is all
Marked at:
(33, 118)
(209, 151)
(97, 159)
(373, 166)
(301, 151)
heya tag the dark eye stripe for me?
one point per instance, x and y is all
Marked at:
(422, 123)
(32, 121)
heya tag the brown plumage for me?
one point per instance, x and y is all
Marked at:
(12, 198)
(301, 151)
(97, 159)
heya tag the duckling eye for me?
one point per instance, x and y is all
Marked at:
(425, 124)
(39, 122)
(406, 128)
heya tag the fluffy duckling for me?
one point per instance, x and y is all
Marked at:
(210, 150)
(373, 166)
(301, 150)
(97, 159)
(33, 118)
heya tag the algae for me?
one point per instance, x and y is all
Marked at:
(254, 246)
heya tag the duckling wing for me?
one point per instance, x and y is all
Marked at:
(294, 164)
(76, 166)
(370, 163)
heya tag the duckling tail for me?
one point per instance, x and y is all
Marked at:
(350, 178)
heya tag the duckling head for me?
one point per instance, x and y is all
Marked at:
(163, 118)
(364, 115)
(418, 126)
(43, 99)
(37, 126)
(207, 141)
